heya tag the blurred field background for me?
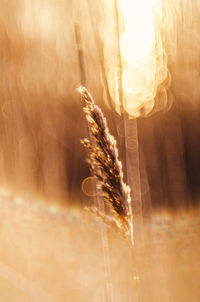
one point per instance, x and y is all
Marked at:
(53, 255)
(48, 48)
(41, 112)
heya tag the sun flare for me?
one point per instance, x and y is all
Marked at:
(143, 59)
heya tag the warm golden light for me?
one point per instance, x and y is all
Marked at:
(144, 64)
(137, 42)
(39, 19)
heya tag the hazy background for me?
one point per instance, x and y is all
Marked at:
(50, 253)
(48, 48)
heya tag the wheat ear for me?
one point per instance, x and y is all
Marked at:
(106, 167)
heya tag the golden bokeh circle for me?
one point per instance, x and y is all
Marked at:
(88, 186)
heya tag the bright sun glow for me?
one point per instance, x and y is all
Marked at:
(138, 27)
(144, 65)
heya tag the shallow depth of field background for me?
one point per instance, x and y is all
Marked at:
(51, 248)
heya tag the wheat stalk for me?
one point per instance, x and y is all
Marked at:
(107, 168)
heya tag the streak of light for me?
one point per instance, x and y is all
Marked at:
(143, 58)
